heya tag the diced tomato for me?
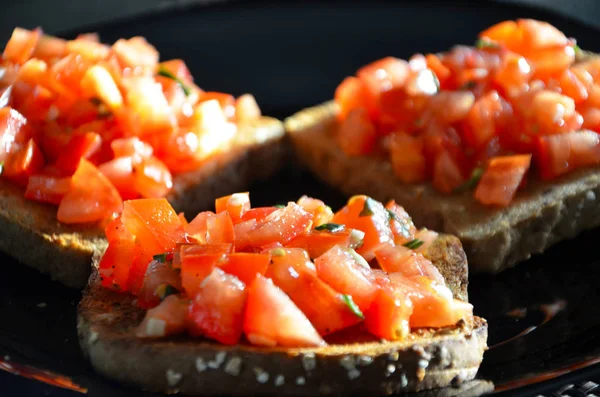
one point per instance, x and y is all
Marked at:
(198, 228)
(280, 226)
(178, 68)
(558, 154)
(389, 313)
(246, 108)
(119, 172)
(150, 110)
(50, 48)
(90, 198)
(321, 213)
(426, 237)
(21, 45)
(246, 265)
(408, 158)
(272, 319)
(316, 243)
(152, 178)
(356, 135)
(236, 205)
(139, 266)
(135, 52)
(226, 101)
(242, 232)
(183, 220)
(154, 223)
(79, 147)
(347, 273)
(23, 163)
(116, 230)
(159, 275)
(370, 216)
(12, 129)
(380, 76)
(219, 229)
(198, 261)
(89, 49)
(258, 214)
(487, 118)
(572, 86)
(401, 224)
(435, 64)
(447, 175)
(501, 179)
(350, 95)
(217, 311)
(433, 305)
(97, 82)
(513, 74)
(168, 318)
(292, 271)
(538, 34)
(46, 188)
(116, 262)
(399, 259)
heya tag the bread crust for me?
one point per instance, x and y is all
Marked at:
(31, 234)
(427, 359)
(494, 238)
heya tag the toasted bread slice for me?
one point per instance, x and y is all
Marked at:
(30, 232)
(493, 238)
(427, 359)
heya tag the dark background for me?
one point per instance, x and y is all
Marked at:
(292, 54)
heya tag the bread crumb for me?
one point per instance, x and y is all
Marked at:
(353, 374)
(279, 380)
(390, 369)
(348, 363)
(200, 365)
(7, 358)
(93, 337)
(364, 360)
(309, 361)
(219, 359)
(42, 305)
(233, 366)
(300, 380)
(173, 378)
(262, 376)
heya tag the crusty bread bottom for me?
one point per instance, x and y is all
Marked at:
(31, 234)
(427, 359)
(494, 239)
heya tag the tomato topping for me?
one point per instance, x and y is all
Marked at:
(217, 311)
(558, 154)
(440, 118)
(501, 179)
(138, 121)
(272, 319)
(239, 279)
(47, 188)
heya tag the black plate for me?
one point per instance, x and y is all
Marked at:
(543, 315)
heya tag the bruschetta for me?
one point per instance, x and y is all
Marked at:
(85, 125)
(496, 143)
(281, 300)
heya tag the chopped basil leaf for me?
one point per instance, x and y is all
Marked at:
(352, 306)
(330, 227)
(392, 216)
(368, 208)
(279, 206)
(164, 290)
(1, 167)
(469, 85)
(165, 73)
(162, 258)
(436, 81)
(414, 244)
(483, 43)
(471, 182)
(576, 48)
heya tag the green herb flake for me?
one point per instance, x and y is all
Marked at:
(405, 225)
(436, 81)
(471, 182)
(1, 167)
(414, 244)
(279, 206)
(576, 48)
(368, 209)
(330, 227)
(469, 85)
(164, 290)
(162, 71)
(162, 258)
(352, 306)
(483, 43)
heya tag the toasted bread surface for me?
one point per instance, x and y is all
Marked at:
(30, 232)
(494, 239)
(353, 363)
